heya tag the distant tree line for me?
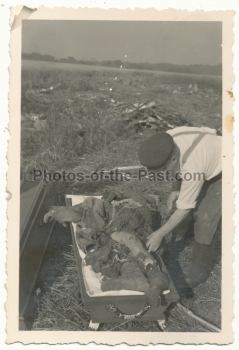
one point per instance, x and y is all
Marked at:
(38, 57)
(165, 67)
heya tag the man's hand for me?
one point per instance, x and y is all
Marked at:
(154, 240)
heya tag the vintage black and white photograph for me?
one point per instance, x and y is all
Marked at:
(121, 176)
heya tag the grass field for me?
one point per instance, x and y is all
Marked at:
(83, 130)
(41, 65)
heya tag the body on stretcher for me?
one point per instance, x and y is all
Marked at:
(112, 306)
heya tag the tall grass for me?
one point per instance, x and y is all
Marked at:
(80, 122)
(72, 130)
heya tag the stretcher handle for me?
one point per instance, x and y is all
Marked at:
(120, 314)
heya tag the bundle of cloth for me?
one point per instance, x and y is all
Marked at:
(112, 232)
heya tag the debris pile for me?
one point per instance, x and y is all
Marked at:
(146, 114)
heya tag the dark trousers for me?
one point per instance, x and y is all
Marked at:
(207, 216)
(202, 261)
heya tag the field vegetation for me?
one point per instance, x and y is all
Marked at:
(165, 67)
(76, 118)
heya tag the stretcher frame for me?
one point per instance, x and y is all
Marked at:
(113, 309)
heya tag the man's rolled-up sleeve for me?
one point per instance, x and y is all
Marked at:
(188, 194)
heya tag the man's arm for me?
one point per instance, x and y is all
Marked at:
(177, 217)
(155, 239)
(186, 201)
(176, 185)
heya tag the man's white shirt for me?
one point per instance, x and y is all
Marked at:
(205, 159)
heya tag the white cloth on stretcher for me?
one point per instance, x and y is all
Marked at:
(92, 279)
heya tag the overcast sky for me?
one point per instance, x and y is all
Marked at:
(153, 42)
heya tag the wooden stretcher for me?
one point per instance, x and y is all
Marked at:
(124, 307)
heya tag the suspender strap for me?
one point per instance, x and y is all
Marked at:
(190, 133)
(192, 147)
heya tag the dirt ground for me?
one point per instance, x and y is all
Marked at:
(83, 130)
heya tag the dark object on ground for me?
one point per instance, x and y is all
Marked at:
(34, 237)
